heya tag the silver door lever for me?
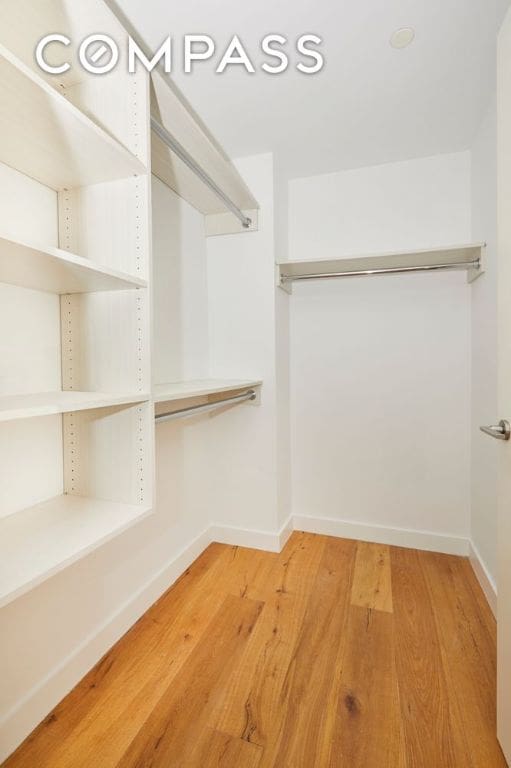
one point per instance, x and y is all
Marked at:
(501, 431)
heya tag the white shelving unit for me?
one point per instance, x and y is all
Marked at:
(76, 420)
(184, 390)
(42, 540)
(463, 257)
(76, 409)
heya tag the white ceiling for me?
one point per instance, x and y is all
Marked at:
(370, 104)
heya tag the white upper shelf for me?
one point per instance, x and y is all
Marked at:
(57, 271)
(49, 139)
(448, 257)
(169, 110)
(27, 406)
(183, 390)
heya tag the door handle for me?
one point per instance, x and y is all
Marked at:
(500, 431)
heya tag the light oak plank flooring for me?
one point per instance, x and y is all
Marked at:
(331, 654)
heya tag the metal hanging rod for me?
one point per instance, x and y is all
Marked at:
(250, 395)
(188, 160)
(382, 271)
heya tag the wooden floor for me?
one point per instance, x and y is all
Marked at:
(333, 653)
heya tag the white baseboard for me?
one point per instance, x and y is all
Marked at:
(245, 537)
(269, 541)
(379, 534)
(484, 577)
(285, 532)
(16, 725)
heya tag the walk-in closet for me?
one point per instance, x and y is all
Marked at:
(241, 404)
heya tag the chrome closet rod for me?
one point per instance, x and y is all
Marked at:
(250, 395)
(188, 160)
(382, 271)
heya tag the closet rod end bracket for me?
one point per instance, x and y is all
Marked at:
(476, 271)
(283, 282)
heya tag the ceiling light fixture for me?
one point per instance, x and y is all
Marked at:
(401, 38)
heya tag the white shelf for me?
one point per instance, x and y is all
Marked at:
(57, 271)
(47, 138)
(38, 542)
(454, 255)
(183, 390)
(49, 403)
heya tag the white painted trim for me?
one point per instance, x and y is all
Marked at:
(285, 532)
(246, 537)
(18, 722)
(379, 534)
(484, 577)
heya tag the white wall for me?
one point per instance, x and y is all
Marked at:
(180, 344)
(380, 367)
(484, 458)
(413, 204)
(180, 351)
(242, 326)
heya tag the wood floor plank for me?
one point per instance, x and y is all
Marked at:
(467, 649)
(367, 729)
(170, 733)
(431, 728)
(219, 750)
(372, 585)
(301, 736)
(249, 572)
(251, 704)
